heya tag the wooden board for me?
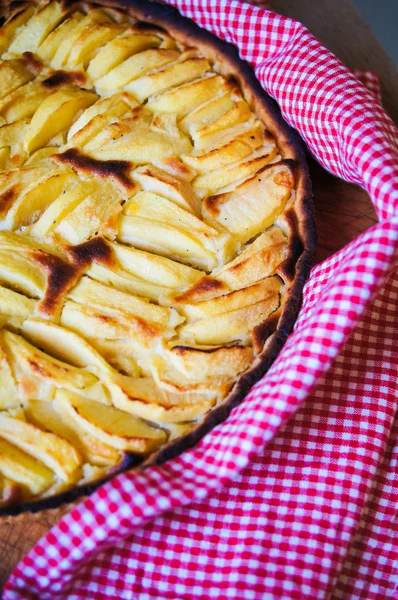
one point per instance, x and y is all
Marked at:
(342, 210)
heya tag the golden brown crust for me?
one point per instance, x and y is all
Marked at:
(269, 336)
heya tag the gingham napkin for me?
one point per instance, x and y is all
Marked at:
(262, 508)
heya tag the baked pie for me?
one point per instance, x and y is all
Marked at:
(156, 231)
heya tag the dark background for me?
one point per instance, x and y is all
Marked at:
(382, 16)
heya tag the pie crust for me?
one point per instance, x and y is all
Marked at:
(156, 232)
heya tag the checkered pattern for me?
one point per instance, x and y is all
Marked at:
(263, 506)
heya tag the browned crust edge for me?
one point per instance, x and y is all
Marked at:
(301, 247)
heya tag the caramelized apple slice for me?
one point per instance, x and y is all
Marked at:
(23, 468)
(153, 179)
(115, 302)
(230, 327)
(64, 345)
(112, 426)
(119, 50)
(13, 304)
(17, 268)
(28, 359)
(230, 150)
(185, 98)
(142, 397)
(227, 178)
(65, 103)
(95, 214)
(204, 362)
(254, 205)
(47, 49)
(259, 260)
(68, 42)
(154, 223)
(54, 452)
(36, 197)
(160, 80)
(63, 206)
(31, 35)
(8, 388)
(86, 321)
(135, 66)
(11, 26)
(13, 133)
(92, 449)
(156, 269)
(97, 116)
(90, 40)
(233, 300)
(13, 74)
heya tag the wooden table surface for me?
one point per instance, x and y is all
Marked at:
(342, 210)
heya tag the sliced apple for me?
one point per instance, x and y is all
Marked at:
(254, 205)
(95, 214)
(233, 151)
(13, 74)
(119, 50)
(126, 282)
(40, 155)
(65, 103)
(16, 267)
(31, 35)
(64, 345)
(260, 259)
(112, 426)
(4, 158)
(54, 452)
(14, 304)
(23, 102)
(133, 67)
(10, 27)
(23, 468)
(36, 197)
(156, 180)
(185, 98)
(47, 49)
(45, 416)
(205, 362)
(121, 354)
(159, 81)
(233, 300)
(8, 388)
(86, 321)
(152, 221)
(208, 112)
(156, 208)
(156, 269)
(63, 206)
(143, 398)
(68, 42)
(184, 391)
(132, 139)
(29, 359)
(234, 326)
(116, 302)
(13, 133)
(228, 178)
(97, 116)
(89, 41)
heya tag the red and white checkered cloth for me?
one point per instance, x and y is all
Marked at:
(263, 508)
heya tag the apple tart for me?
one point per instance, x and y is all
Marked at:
(156, 232)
